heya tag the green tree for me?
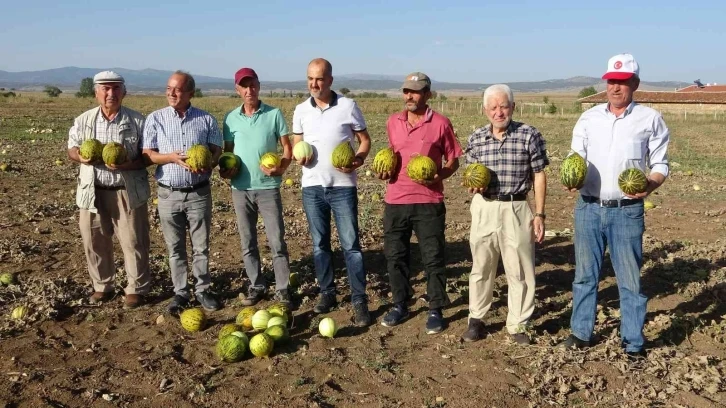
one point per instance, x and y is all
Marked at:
(442, 97)
(198, 93)
(86, 89)
(52, 91)
(546, 100)
(552, 108)
(585, 92)
(434, 94)
(300, 95)
(344, 91)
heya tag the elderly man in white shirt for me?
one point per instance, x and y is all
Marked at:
(613, 137)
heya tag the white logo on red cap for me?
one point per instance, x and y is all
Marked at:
(618, 65)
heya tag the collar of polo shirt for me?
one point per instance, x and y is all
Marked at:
(333, 100)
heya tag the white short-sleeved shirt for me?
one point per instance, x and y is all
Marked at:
(325, 129)
(637, 138)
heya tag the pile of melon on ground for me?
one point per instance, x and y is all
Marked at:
(267, 327)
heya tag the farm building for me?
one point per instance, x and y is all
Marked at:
(692, 99)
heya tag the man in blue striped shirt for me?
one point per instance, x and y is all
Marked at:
(185, 198)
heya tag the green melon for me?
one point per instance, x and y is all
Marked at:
(231, 349)
(302, 149)
(294, 280)
(199, 158)
(114, 153)
(242, 336)
(193, 320)
(476, 175)
(19, 313)
(270, 160)
(229, 160)
(91, 149)
(260, 319)
(244, 318)
(277, 321)
(279, 309)
(261, 345)
(421, 168)
(343, 156)
(228, 329)
(279, 334)
(632, 181)
(385, 161)
(7, 278)
(573, 171)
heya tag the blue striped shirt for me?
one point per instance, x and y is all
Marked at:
(166, 132)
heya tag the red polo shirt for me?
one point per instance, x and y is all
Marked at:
(433, 137)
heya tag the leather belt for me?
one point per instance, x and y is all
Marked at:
(186, 189)
(506, 197)
(611, 203)
(109, 188)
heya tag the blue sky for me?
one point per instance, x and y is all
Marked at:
(455, 41)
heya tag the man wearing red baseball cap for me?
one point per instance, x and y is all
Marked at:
(612, 137)
(250, 131)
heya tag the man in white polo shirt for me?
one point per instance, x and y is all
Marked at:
(325, 120)
(612, 137)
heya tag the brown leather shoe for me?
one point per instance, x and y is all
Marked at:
(133, 301)
(98, 297)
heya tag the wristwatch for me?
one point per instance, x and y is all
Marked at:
(540, 215)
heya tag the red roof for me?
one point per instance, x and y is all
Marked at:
(665, 97)
(709, 88)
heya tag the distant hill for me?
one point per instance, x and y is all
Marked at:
(154, 80)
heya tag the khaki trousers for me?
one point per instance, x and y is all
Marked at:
(131, 227)
(502, 228)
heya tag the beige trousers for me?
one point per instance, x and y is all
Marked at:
(502, 228)
(131, 227)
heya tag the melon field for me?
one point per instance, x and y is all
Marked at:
(67, 353)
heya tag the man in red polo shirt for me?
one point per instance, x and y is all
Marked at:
(418, 206)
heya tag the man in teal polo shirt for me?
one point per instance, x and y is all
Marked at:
(250, 131)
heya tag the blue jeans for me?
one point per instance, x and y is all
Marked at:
(318, 203)
(620, 228)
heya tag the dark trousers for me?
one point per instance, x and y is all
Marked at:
(428, 221)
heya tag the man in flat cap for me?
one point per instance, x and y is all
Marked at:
(415, 205)
(113, 198)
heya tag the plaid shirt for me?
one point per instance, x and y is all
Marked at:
(106, 131)
(166, 132)
(512, 161)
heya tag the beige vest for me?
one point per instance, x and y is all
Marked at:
(130, 125)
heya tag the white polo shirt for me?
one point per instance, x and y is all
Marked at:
(637, 138)
(325, 129)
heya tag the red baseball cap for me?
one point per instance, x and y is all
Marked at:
(244, 73)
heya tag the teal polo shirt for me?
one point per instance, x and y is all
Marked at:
(254, 136)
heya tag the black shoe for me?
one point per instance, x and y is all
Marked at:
(327, 301)
(283, 297)
(208, 302)
(636, 355)
(178, 303)
(398, 314)
(362, 316)
(475, 331)
(254, 296)
(573, 343)
(435, 322)
(522, 339)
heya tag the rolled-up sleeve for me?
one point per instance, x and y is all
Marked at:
(538, 152)
(658, 147)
